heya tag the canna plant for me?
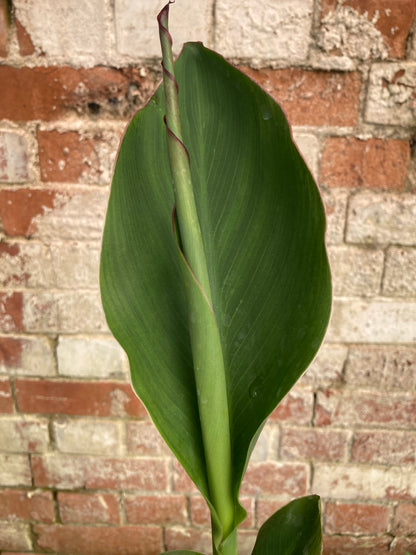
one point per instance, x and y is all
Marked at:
(214, 278)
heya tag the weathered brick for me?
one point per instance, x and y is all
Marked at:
(382, 367)
(266, 444)
(404, 545)
(4, 29)
(312, 97)
(88, 508)
(67, 29)
(348, 545)
(26, 46)
(181, 482)
(245, 541)
(27, 505)
(25, 265)
(309, 147)
(77, 398)
(93, 437)
(253, 33)
(391, 94)
(13, 157)
(372, 321)
(11, 317)
(352, 482)
(142, 438)
(382, 219)
(266, 507)
(74, 472)
(372, 163)
(335, 202)
(163, 510)
(26, 355)
(404, 519)
(200, 515)
(384, 447)
(313, 444)
(136, 30)
(76, 264)
(341, 518)
(392, 20)
(21, 435)
(63, 312)
(296, 407)
(365, 280)
(20, 209)
(15, 470)
(6, 399)
(101, 540)
(90, 357)
(400, 272)
(327, 368)
(275, 478)
(349, 407)
(48, 93)
(179, 538)
(15, 536)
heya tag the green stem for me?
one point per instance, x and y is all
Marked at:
(205, 340)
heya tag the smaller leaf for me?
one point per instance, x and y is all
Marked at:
(295, 529)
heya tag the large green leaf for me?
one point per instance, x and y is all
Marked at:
(293, 530)
(262, 224)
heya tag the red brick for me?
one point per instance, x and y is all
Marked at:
(181, 481)
(405, 519)
(312, 97)
(11, 312)
(188, 538)
(404, 545)
(19, 208)
(348, 407)
(88, 508)
(374, 163)
(163, 510)
(4, 28)
(15, 536)
(394, 19)
(26, 46)
(296, 407)
(10, 349)
(380, 447)
(66, 157)
(267, 507)
(142, 438)
(346, 545)
(88, 540)
(48, 93)
(74, 472)
(309, 443)
(356, 519)
(27, 505)
(200, 515)
(6, 399)
(271, 478)
(77, 398)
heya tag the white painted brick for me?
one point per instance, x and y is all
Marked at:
(64, 312)
(26, 264)
(390, 98)
(92, 437)
(36, 358)
(137, 33)
(363, 482)
(266, 444)
(90, 357)
(79, 217)
(15, 535)
(20, 435)
(264, 29)
(355, 271)
(375, 321)
(400, 273)
(382, 219)
(65, 30)
(326, 370)
(76, 265)
(15, 470)
(13, 158)
(309, 148)
(335, 202)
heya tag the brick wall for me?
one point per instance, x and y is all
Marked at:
(82, 470)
